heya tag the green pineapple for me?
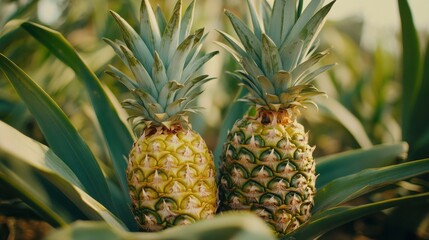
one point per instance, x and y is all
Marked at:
(171, 174)
(267, 164)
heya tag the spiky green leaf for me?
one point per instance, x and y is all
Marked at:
(271, 61)
(170, 36)
(252, 45)
(134, 42)
(187, 19)
(255, 19)
(143, 79)
(149, 29)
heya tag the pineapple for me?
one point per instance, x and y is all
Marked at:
(267, 164)
(171, 174)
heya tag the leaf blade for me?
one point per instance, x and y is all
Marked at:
(350, 162)
(351, 186)
(118, 137)
(58, 131)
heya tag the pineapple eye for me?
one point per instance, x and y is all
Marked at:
(306, 209)
(236, 137)
(165, 203)
(168, 162)
(261, 173)
(299, 181)
(270, 200)
(148, 194)
(286, 168)
(287, 147)
(245, 156)
(175, 187)
(202, 189)
(148, 217)
(236, 200)
(183, 220)
(238, 171)
(156, 146)
(253, 189)
(278, 185)
(293, 201)
(255, 141)
(270, 156)
(282, 217)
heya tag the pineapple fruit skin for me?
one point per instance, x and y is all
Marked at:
(171, 179)
(267, 167)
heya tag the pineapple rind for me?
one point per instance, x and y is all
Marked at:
(269, 169)
(171, 180)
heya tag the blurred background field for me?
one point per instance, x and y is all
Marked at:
(363, 108)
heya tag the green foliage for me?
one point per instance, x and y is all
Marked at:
(77, 183)
(415, 83)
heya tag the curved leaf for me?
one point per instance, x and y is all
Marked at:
(342, 164)
(118, 137)
(334, 109)
(45, 182)
(411, 69)
(35, 196)
(332, 218)
(420, 129)
(59, 132)
(352, 186)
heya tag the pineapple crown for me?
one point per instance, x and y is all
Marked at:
(164, 59)
(278, 55)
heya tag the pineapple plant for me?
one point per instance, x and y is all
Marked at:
(267, 164)
(170, 173)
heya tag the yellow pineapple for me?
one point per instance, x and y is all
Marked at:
(267, 164)
(171, 174)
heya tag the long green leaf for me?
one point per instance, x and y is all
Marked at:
(420, 129)
(118, 137)
(59, 188)
(277, 21)
(334, 109)
(247, 38)
(237, 226)
(255, 19)
(303, 19)
(13, 143)
(332, 218)
(59, 132)
(170, 36)
(149, 29)
(351, 186)
(134, 42)
(342, 164)
(32, 191)
(9, 33)
(270, 57)
(411, 70)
